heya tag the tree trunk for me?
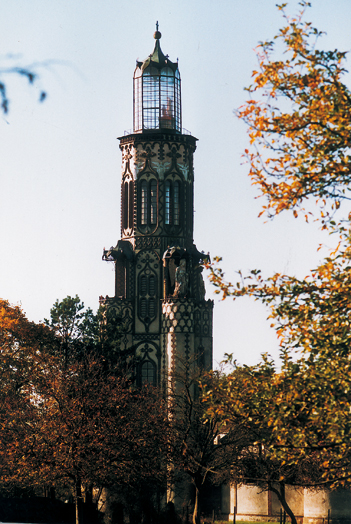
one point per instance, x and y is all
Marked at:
(88, 494)
(77, 497)
(281, 496)
(196, 513)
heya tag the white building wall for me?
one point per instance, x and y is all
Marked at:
(309, 506)
(318, 503)
(251, 500)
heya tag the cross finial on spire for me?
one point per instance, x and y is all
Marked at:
(157, 34)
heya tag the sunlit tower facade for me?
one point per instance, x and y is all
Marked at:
(159, 300)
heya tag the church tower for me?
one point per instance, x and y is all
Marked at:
(159, 297)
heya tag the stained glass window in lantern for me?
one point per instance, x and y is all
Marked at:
(177, 102)
(157, 103)
(138, 121)
(167, 98)
(151, 97)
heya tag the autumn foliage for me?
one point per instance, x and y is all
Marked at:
(66, 418)
(200, 456)
(299, 123)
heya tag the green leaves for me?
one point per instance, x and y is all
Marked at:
(76, 328)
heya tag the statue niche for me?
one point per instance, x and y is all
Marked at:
(181, 279)
(175, 273)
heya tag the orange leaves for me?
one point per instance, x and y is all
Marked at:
(304, 141)
(71, 419)
(309, 314)
(93, 427)
(300, 153)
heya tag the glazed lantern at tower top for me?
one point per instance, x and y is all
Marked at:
(157, 101)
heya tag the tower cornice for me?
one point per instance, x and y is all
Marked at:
(150, 136)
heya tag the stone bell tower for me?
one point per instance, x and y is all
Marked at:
(159, 289)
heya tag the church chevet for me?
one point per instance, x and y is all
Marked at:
(159, 299)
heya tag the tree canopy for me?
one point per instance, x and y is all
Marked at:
(67, 418)
(203, 449)
(298, 119)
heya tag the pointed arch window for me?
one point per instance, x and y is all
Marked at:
(153, 202)
(172, 203)
(128, 205)
(168, 202)
(148, 297)
(176, 209)
(149, 201)
(147, 373)
(125, 206)
(144, 203)
(121, 277)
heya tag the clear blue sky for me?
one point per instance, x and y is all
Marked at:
(60, 162)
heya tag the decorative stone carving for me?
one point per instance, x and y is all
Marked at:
(181, 279)
(147, 282)
(147, 242)
(178, 316)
